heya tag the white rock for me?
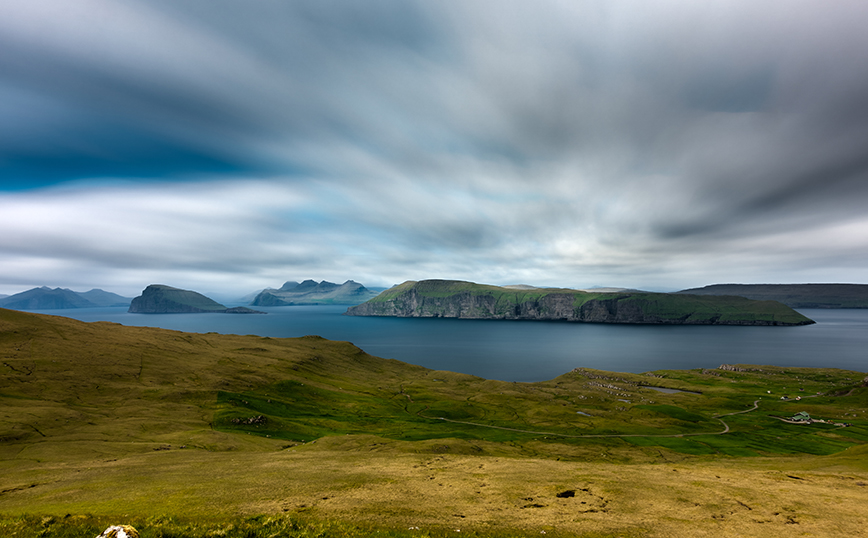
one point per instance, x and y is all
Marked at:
(119, 531)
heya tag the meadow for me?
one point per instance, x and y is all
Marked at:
(197, 435)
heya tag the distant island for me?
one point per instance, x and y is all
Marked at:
(45, 298)
(467, 300)
(162, 299)
(310, 292)
(794, 295)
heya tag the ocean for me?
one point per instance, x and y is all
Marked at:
(538, 350)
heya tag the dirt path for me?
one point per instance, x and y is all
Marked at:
(716, 417)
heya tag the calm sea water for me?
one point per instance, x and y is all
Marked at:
(536, 350)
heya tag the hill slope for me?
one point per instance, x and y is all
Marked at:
(151, 424)
(794, 295)
(456, 299)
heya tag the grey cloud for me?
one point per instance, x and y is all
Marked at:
(486, 139)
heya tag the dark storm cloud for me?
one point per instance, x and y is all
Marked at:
(552, 143)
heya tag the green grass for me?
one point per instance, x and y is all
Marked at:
(97, 418)
(81, 526)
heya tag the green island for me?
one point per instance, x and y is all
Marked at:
(468, 300)
(211, 435)
(162, 299)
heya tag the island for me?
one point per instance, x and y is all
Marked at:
(162, 299)
(468, 300)
(794, 295)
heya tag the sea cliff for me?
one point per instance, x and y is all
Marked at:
(466, 300)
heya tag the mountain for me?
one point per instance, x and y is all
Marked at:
(467, 300)
(105, 298)
(311, 292)
(46, 298)
(794, 295)
(161, 299)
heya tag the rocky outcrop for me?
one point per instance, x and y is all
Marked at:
(452, 299)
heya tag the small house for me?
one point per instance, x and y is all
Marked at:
(802, 416)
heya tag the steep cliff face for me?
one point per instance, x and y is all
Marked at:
(452, 299)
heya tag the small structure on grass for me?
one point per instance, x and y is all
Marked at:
(802, 416)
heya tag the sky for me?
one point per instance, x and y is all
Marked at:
(231, 146)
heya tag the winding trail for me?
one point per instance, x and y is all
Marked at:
(716, 417)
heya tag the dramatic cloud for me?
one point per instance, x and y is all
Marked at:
(219, 145)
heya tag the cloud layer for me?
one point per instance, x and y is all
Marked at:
(215, 145)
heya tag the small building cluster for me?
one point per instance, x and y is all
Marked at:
(803, 417)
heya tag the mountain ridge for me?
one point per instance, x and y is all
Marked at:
(311, 292)
(45, 298)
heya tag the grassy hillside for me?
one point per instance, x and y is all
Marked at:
(195, 434)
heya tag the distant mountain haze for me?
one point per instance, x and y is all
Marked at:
(46, 298)
(311, 292)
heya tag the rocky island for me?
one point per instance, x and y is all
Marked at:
(162, 299)
(467, 300)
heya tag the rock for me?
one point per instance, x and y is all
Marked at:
(119, 531)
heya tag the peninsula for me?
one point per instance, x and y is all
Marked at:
(467, 300)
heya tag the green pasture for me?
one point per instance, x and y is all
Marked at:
(196, 435)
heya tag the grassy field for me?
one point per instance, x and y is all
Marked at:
(219, 435)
